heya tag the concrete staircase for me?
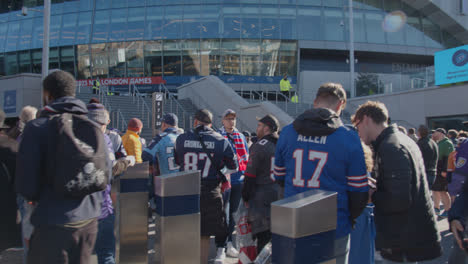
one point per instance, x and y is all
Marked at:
(123, 108)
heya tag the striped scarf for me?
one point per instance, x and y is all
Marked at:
(236, 139)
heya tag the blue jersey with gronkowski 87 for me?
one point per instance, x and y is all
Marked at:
(333, 163)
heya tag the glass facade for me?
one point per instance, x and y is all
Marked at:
(177, 38)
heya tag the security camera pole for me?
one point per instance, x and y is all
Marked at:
(45, 43)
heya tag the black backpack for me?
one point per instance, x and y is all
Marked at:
(77, 164)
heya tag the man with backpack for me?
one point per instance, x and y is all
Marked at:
(63, 165)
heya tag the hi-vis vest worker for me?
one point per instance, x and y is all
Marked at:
(285, 85)
(96, 85)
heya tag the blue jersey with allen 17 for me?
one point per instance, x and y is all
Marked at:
(161, 152)
(332, 163)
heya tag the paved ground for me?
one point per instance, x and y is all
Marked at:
(15, 256)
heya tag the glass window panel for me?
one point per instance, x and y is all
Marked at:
(397, 37)
(84, 62)
(333, 20)
(449, 40)
(414, 34)
(67, 60)
(154, 2)
(2, 65)
(310, 2)
(3, 35)
(231, 21)
(288, 2)
(270, 58)
(86, 5)
(359, 26)
(154, 19)
(36, 61)
(56, 8)
(11, 63)
(117, 58)
(288, 58)
(68, 32)
(287, 22)
(250, 22)
(392, 5)
(71, 6)
(273, 2)
(250, 1)
(250, 50)
(334, 3)
(172, 59)
(210, 55)
(375, 33)
(191, 24)
(103, 4)
(24, 61)
(119, 3)
(134, 58)
(309, 18)
(270, 26)
(13, 35)
(100, 60)
(136, 23)
(230, 57)
(101, 26)
(210, 21)
(53, 59)
(54, 34)
(118, 27)
(83, 29)
(38, 32)
(132, 3)
(26, 34)
(432, 33)
(153, 58)
(374, 4)
(172, 27)
(191, 58)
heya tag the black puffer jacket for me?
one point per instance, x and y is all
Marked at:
(404, 218)
(430, 153)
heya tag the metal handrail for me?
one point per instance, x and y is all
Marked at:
(163, 88)
(121, 120)
(143, 104)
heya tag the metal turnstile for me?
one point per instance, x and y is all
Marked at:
(303, 228)
(132, 215)
(177, 218)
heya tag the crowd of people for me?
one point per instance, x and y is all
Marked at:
(392, 184)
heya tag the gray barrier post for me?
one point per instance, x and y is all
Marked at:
(303, 228)
(177, 218)
(132, 215)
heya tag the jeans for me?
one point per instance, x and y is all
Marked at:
(231, 200)
(363, 238)
(61, 245)
(105, 242)
(342, 245)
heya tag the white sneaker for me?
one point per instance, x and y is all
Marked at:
(220, 256)
(232, 251)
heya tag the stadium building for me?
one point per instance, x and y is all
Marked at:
(248, 44)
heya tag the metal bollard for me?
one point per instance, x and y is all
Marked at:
(177, 218)
(303, 228)
(132, 215)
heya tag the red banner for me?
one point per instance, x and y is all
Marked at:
(123, 81)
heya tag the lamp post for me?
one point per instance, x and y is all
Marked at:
(351, 48)
(45, 45)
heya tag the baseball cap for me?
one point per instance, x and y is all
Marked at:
(271, 121)
(204, 115)
(229, 112)
(97, 113)
(170, 119)
(2, 120)
(332, 89)
(135, 124)
(441, 130)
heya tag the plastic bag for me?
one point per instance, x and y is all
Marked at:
(245, 243)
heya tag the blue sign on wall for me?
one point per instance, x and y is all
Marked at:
(9, 101)
(451, 66)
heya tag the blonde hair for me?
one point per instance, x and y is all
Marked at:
(368, 157)
(28, 113)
